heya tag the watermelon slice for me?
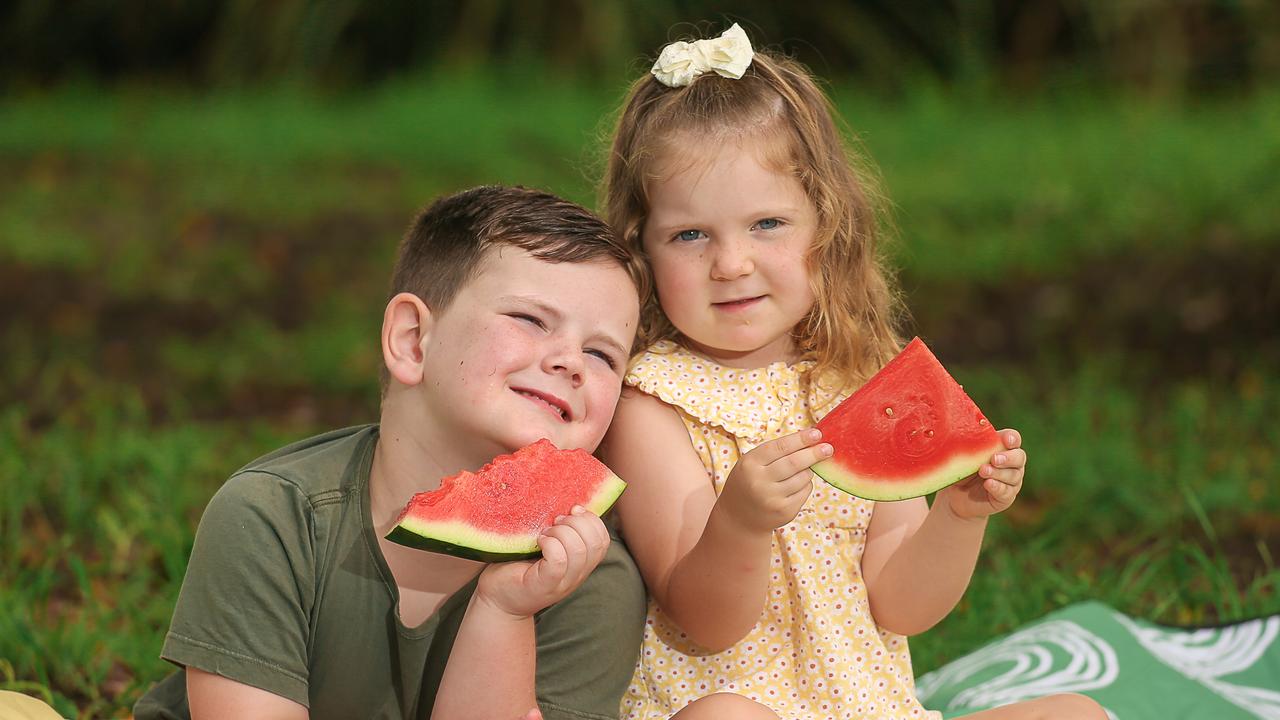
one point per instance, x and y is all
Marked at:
(497, 513)
(909, 431)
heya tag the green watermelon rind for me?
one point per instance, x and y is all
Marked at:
(461, 539)
(887, 489)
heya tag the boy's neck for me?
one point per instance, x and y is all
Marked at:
(411, 457)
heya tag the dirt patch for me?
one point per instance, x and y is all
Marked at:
(1210, 311)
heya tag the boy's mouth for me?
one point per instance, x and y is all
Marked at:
(551, 402)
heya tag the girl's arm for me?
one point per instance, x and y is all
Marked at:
(919, 560)
(705, 559)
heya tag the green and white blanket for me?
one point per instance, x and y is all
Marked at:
(1135, 669)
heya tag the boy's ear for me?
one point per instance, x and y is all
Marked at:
(406, 327)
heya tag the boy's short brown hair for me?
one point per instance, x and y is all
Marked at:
(443, 248)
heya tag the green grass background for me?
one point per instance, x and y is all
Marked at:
(190, 280)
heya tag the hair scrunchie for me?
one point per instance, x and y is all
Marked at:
(728, 56)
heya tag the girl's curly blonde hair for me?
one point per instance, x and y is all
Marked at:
(851, 330)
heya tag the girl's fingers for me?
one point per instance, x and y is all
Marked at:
(770, 452)
(1004, 476)
(799, 492)
(999, 492)
(1009, 459)
(797, 482)
(802, 459)
(1011, 438)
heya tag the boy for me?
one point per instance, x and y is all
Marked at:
(511, 319)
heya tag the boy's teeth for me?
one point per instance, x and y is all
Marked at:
(560, 411)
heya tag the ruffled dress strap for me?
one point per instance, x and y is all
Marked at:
(747, 403)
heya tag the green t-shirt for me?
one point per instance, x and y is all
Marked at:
(286, 590)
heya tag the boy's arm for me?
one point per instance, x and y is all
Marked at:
(490, 672)
(214, 696)
(251, 551)
(588, 643)
(918, 560)
(705, 559)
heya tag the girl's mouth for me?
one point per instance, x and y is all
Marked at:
(737, 305)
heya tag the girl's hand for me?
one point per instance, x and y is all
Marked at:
(769, 485)
(993, 488)
(571, 549)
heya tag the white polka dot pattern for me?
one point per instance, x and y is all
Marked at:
(816, 651)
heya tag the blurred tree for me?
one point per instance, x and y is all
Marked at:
(1167, 47)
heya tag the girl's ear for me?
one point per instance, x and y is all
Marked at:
(406, 328)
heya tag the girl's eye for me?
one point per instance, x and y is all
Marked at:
(688, 235)
(605, 357)
(769, 224)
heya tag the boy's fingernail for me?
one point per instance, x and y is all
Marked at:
(814, 434)
(578, 510)
(1010, 440)
(999, 459)
(559, 518)
(826, 449)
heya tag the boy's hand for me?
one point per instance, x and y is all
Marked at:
(769, 485)
(571, 549)
(994, 487)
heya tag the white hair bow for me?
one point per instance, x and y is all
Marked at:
(728, 55)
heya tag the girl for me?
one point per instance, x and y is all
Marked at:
(773, 595)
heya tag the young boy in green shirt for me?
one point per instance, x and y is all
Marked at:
(511, 318)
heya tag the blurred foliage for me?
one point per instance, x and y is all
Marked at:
(1165, 47)
(189, 278)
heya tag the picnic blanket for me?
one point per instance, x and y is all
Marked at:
(1135, 669)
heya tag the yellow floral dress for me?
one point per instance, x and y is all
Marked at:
(816, 652)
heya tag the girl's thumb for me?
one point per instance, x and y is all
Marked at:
(534, 714)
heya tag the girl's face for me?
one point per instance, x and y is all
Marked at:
(728, 239)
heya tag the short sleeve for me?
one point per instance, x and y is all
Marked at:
(245, 601)
(588, 643)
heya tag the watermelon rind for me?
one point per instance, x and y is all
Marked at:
(888, 490)
(460, 539)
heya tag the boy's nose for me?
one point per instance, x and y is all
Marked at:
(565, 361)
(731, 260)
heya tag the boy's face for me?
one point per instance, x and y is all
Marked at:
(530, 349)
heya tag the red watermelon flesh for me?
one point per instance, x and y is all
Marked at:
(909, 431)
(497, 513)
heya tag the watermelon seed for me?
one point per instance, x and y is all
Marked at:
(982, 421)
(928, 433)
(888, 411)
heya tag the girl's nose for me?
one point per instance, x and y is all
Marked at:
(732, 259)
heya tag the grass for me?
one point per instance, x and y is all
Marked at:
(189, 281)
(1162, 506)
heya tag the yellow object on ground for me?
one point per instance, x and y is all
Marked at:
(16, 706)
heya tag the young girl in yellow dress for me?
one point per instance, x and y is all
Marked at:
(774, 595)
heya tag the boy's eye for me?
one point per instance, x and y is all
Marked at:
(608, 360)
(688, 235)
(529, 319)
(769, 224)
